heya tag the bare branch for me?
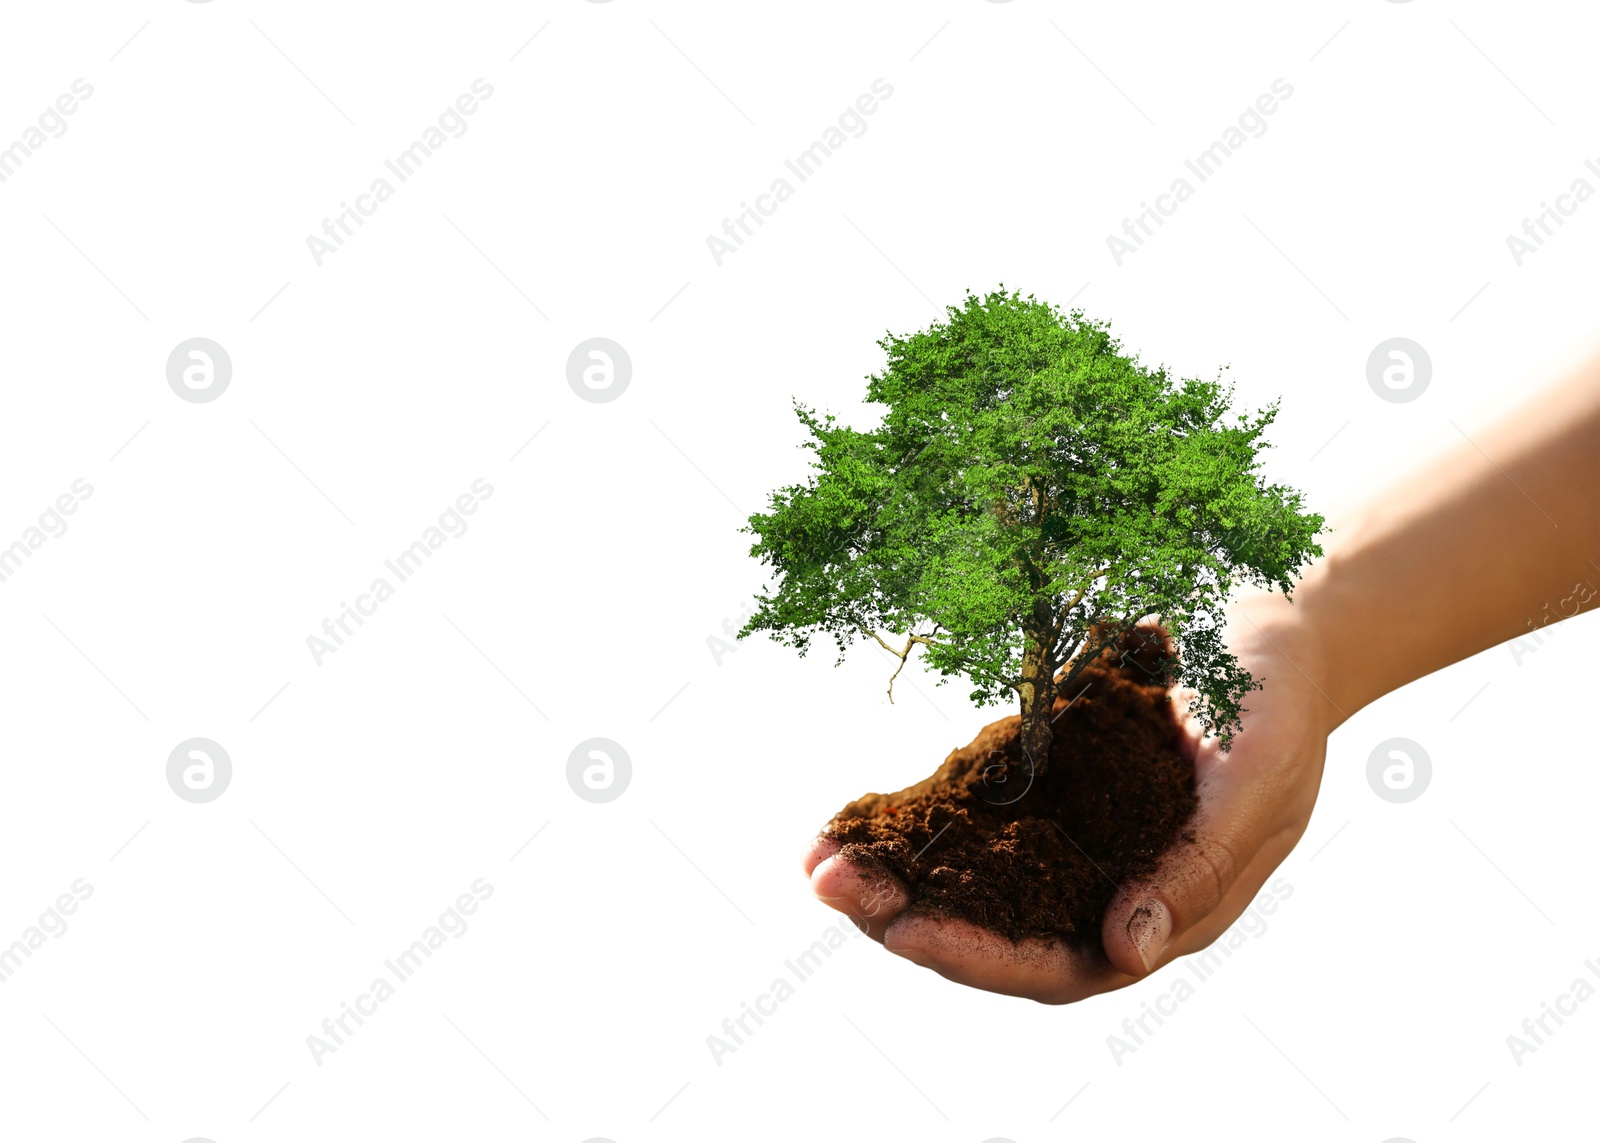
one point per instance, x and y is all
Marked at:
(911, 641)
(865, 630)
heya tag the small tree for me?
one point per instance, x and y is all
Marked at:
(1030, 497)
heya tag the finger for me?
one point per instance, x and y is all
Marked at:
(1149, 920)
(817, 850)
(1037, 969)
(1245, 890)
(869, 897)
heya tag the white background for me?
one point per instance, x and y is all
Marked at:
(367, 393)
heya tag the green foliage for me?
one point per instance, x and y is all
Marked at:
(1031, 494)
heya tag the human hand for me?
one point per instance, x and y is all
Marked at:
(1254, 804)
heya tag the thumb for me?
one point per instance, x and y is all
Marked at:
(1148, 918)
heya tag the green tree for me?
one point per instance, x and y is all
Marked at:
(1031, 497)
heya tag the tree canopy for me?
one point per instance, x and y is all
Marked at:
(1031, 495)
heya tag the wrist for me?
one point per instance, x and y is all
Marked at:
(1298, 635)
(1330, 622)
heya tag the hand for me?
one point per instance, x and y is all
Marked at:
(1255, 802)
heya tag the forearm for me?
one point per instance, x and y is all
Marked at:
(1498, 533)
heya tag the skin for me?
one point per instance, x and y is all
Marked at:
(1495, 536)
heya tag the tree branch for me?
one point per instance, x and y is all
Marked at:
(865, 630)
(1084, 590)
(1092, 649)
(904, 655)
(911, 642)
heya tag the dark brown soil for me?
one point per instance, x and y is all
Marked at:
(1032, 855)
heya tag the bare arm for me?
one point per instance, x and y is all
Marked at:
(1499, 531)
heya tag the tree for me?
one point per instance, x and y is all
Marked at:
(1032, 497)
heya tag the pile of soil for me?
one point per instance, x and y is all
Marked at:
(1031, 854)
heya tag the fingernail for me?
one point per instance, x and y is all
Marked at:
(1150, 928)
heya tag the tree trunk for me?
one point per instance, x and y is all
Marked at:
(1038, 694)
